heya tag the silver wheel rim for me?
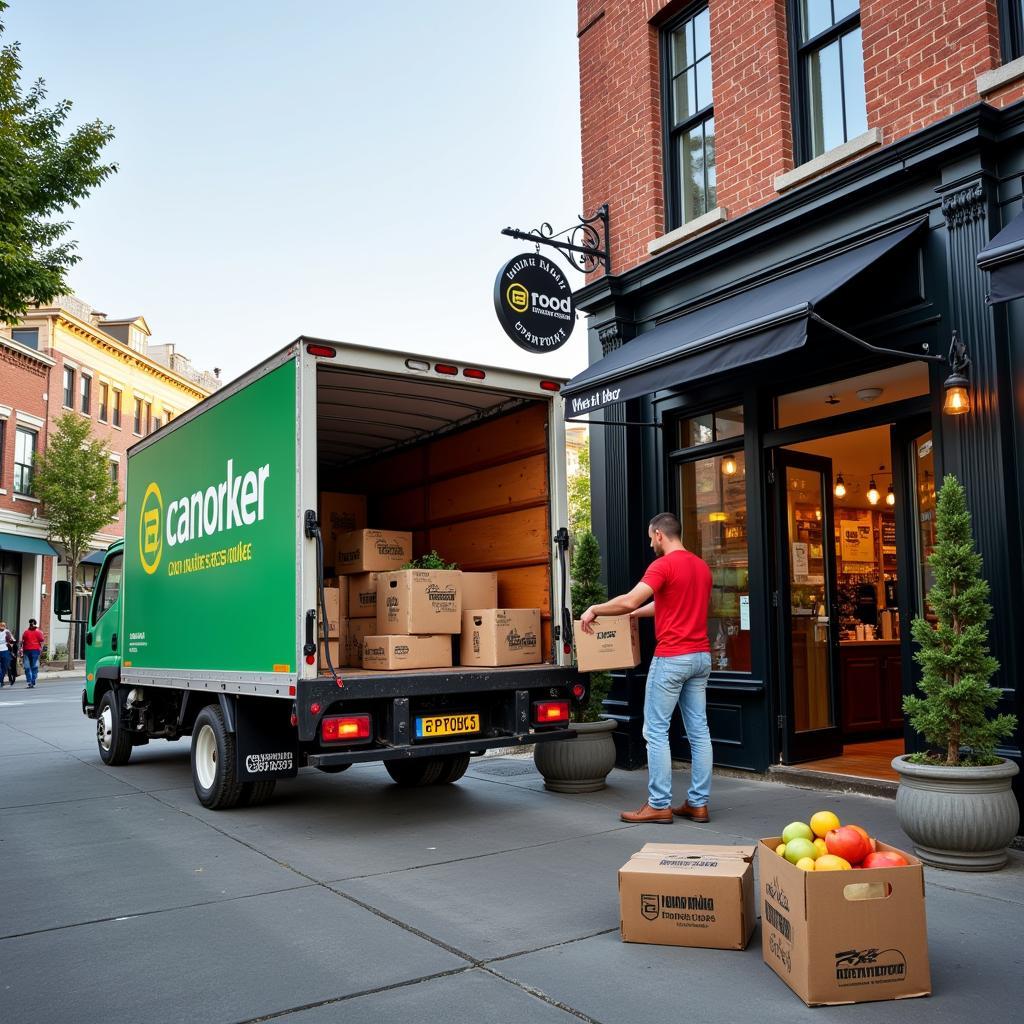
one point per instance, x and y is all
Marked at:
(105, 728)
(206, 757)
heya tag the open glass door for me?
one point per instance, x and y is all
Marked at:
(808, 623)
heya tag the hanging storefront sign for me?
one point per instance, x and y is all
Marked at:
(534, 303)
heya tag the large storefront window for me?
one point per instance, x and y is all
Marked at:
(713, 510)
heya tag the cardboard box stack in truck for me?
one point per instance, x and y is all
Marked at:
(298, 505)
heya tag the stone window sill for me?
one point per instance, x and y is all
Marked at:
(820, 164)
(693, 227)
(990, 81)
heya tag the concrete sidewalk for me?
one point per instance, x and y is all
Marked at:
(348, 899)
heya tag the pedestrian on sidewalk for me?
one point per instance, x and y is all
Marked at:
(6, 644)
(679, 582)
(12, 671)
(32, 641)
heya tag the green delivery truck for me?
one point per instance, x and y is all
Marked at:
(208, 619)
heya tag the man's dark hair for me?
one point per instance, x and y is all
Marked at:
(668, 524)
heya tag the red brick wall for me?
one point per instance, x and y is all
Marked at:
(921, 63)
(24, 384)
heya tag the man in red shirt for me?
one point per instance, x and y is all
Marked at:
(32, 641)
(680, 584)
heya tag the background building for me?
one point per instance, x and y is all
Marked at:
(787, 181)
(64, 357)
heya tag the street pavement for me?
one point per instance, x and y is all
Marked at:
(346, 898)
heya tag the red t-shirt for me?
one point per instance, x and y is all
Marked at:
(32, 640)
(681, 582)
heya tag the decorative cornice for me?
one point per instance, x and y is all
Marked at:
(614, 334)
(964, 206)
(27, 358)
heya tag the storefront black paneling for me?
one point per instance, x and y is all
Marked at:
(964, 176)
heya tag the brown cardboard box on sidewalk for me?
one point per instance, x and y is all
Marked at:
(615, 643)
(479, 590)
(335, 607)
(339, 513)
(372, 551)
(356, 631)
(500, 636)
(419, 601)
(362, 595)
(391, 653)
(844, 936)
(678, 895)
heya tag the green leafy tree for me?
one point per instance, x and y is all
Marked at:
(579, 494)
(587, 589)
(955, 663)
(72, 480)
(42, 174)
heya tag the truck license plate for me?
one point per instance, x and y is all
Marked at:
(446, 725)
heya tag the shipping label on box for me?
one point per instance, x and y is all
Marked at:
(339, 513)
(419, 601)
(844, 936)
(362, 595)
(479, 590)
(334, 613)
(372, 551)
(678, 895)
(356, 631)
(615, 643)
(500, 636)
(392, 652)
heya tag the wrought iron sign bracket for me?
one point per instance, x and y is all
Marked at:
(585, 246)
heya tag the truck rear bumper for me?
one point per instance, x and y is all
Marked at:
(436, 749)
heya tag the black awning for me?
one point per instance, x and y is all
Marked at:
(767, 320)
(1003, 258)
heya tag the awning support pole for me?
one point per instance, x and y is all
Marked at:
(925, 357)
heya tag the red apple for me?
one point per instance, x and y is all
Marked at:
(886, 859)
(848, 843)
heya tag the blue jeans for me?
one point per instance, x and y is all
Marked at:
(31, 661)
(5, 664)
(678, 681)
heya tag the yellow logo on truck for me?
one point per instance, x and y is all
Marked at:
(151, 536)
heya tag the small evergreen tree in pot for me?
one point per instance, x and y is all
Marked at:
(587, 589)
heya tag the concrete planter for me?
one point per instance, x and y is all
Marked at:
(961, 819)
(579, 765)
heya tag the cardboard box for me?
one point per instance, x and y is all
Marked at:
(339, 513)
(334, 612)
(479, 590)
(419, 601)
(337, 653)
(406, 652)
(832, 945)
(362, 595)
(372, 551)
(676, 895)
(500, 636)
(615, 643)
(356, 631)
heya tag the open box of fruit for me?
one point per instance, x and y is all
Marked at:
(825, 844)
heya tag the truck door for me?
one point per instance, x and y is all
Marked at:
(102, 643)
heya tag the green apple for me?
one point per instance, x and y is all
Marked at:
(797, 849)
(797, 830)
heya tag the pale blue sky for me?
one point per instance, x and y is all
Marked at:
(327, 167)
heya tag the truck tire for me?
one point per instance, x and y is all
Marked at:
(422, 771)
(453, 767)
(214, 772)
(333, 769)
(256, 793)
(114, 741)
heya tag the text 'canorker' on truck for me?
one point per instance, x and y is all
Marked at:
(271, 597)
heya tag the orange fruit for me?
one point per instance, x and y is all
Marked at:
(822, 822)
(830, 862)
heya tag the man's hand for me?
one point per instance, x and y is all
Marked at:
(586, 619)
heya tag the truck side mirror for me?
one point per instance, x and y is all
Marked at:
(62, 598)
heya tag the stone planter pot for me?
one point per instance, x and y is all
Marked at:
(579, 765)
(961, 819)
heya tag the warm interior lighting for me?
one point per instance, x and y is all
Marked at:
(840, 489)
(717, 517)
(873, 494)
(957, 401)
(729, 465)
(890, 497)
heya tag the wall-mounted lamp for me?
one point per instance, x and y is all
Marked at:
(890, 497)
(729, 465)
(840, 489)
(957, 401)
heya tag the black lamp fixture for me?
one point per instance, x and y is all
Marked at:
(840, 488)
(957, 401)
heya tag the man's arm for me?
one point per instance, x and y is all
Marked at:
(624, 604)
(644, 612)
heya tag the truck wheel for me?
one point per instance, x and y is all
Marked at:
(214, 775)
(256, 793)
(333, 769)
(453, 767)
(423, 771)
(115, 742)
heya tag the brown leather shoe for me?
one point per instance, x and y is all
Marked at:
(649, 814)
(697, 814)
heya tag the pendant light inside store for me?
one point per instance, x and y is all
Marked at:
(840, 489)
(890, 497)
(873, 494)
(729, 465)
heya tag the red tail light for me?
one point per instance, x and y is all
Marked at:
(314, 708)
(345, 728)
(550, 385)
(578, 691)
(310, 659)
(470, 371)
(451, 371)
(549, 712)
(322, 350)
